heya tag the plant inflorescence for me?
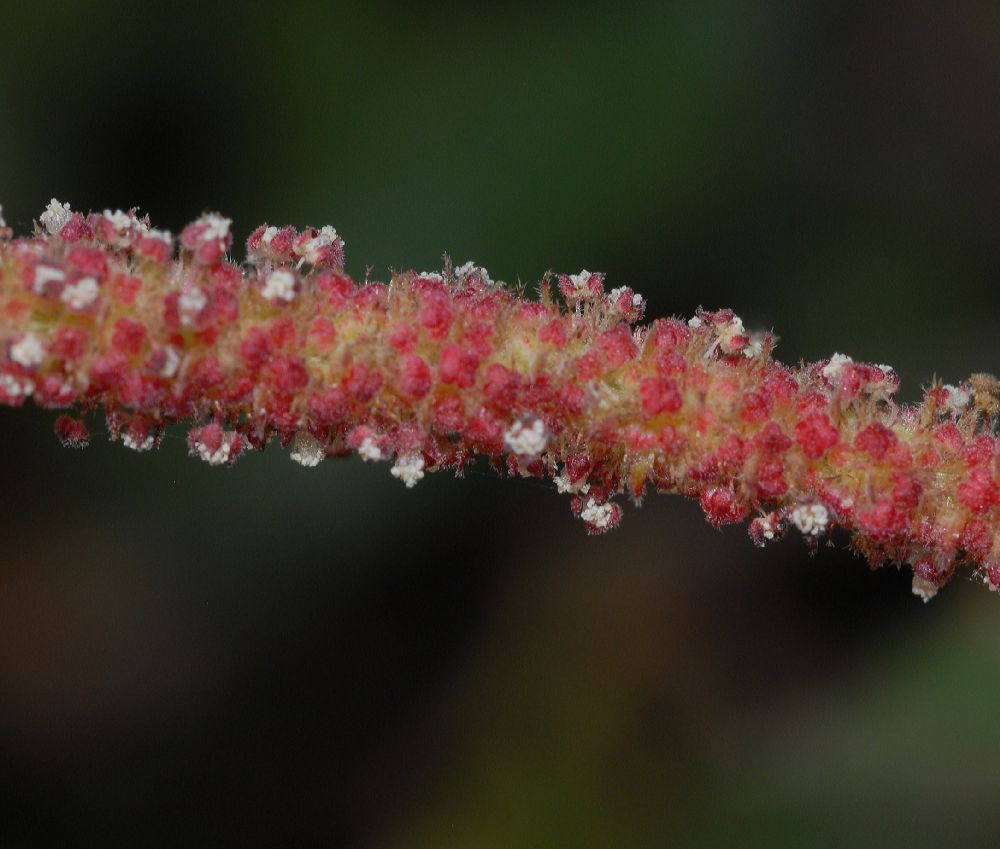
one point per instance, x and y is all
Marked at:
(430, 370)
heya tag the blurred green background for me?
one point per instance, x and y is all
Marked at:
(274, 656)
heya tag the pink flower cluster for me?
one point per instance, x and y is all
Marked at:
(431, 370)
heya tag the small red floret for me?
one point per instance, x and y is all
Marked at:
(875, 440)
(659, 395)
(979, 492)
(816, 435)
(72, 432)
(129, 336)
(415, 377)
(721, 506)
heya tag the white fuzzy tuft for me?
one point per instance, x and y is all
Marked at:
(409, 468)
(598, 515)
(581, 284)
(835, 368)
(923, 589)
(469, 268)
(810, 519)
(45, 274)
(369, 450)
(130, 442)
(190, 304)
(28, 351)
(767, 528)
(55, 216)
(16, 387)
(217, 227)
(958, 398)
(80, 295)
(279, 286)
(171, 360)
(218, 457)
(527, 438)
(311, 249)
(307, 450)
(564, 484)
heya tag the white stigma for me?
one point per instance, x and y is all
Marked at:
(123, 223)
(279, 286)
(598, 515)
(129, 441)
(755, 347)
(732, 335)
(528, 438)
(470, 268)
(833, 370)
(171, 360)
(409, 468)
(767, 529)
(164, 236)
(28, 352)
(217, 457)
(311, 249)
(581, 283)
(216, 227)
(45, 274)
(16, 387)
(810, 519)
(80, 295)
(922, 588)
(190, 304)
(957, 400)
(369, 450)
(635, 302)
(55, 216)
(564, 484)
(307, 450)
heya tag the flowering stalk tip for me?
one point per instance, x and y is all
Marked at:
(430, 370)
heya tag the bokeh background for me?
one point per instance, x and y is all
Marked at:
(273, 656)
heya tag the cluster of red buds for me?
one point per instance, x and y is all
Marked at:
(431, 370)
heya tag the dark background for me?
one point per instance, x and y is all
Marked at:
(275, 656)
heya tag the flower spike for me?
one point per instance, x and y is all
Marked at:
(429, 370)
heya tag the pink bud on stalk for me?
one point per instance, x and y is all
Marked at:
(431, 370)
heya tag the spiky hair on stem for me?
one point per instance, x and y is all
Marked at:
(430, 370)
